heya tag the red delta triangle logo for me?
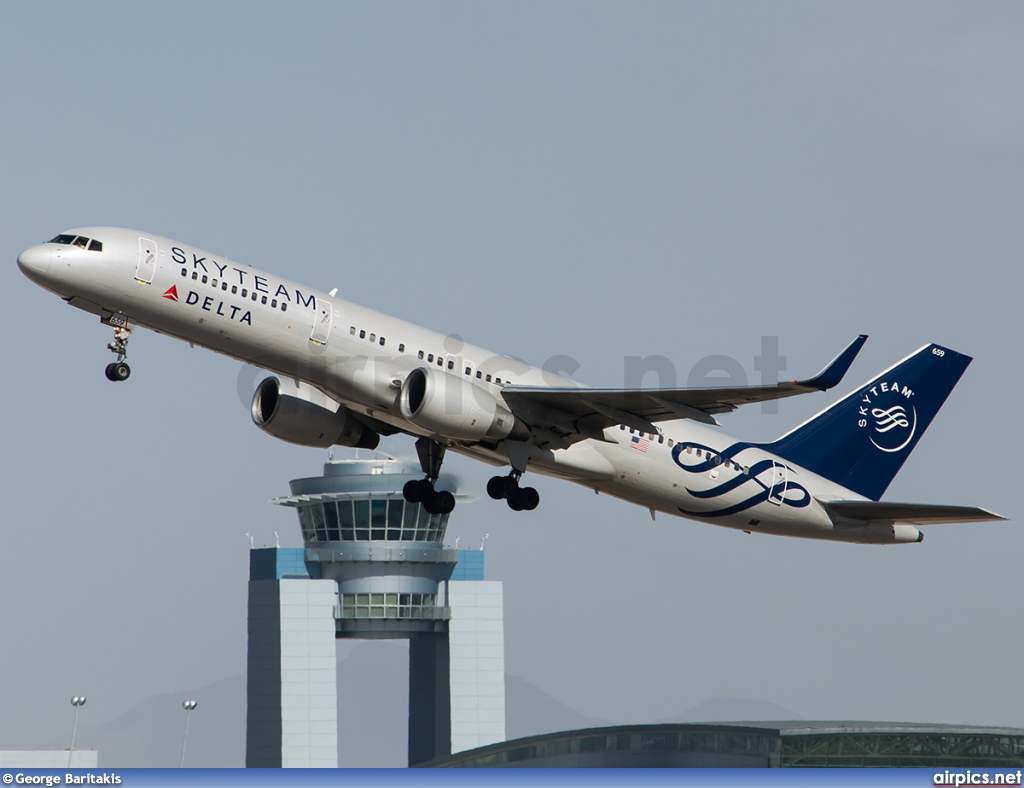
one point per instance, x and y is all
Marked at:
(171, 293)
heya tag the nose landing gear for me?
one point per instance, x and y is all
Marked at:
(119, 370)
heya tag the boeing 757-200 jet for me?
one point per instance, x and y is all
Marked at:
(345, 375)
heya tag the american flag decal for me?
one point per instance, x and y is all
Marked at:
(640, 443)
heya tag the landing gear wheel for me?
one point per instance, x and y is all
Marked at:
(523, 499)
(444, 502)
(118, 371)
(499, 487)
(440, 503)
(418, 490)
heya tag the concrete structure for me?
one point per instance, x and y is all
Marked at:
(373, 566)
(759, 745)
(291, 715)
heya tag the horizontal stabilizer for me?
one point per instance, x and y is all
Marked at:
(908, 513)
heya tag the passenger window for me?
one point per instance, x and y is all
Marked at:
(263, 299)
(661, 439)
(213, 282)
(184, 272)
(430, 357)
(401, 347)
(352, 330)
(204, 279)
(479, 374)
(362, 334)
(498, 381)
(670, 443)
(469, 371)
(255, 295)
(440, 361)
(273, 303)
(451, 365)
(95, 246)
(381, 343)
(244, 292)
(284, 307)
(373, 337)
(488, 378)
(195, 276)
(223, 285)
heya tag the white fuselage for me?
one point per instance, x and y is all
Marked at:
(360, 357)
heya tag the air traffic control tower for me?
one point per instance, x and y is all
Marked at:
(373, 566)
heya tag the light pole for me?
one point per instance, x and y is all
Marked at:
(187, 705)
(78, 701)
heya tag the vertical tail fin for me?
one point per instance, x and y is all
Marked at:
(863, 440)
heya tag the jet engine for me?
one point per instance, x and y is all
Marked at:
(452, 406)
(299, 413)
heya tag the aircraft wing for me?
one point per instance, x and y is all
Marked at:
(575, 413)
(908, 513)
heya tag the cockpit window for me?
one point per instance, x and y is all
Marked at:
(80, 241)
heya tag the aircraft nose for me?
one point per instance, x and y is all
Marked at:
(34, 261)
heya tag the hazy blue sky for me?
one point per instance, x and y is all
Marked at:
(591, 179)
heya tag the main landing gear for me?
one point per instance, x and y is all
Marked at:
(520, 499)
(431, 454)
(119, 370)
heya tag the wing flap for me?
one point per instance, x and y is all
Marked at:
(907, 513)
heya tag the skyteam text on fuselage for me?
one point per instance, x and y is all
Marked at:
(345, 375)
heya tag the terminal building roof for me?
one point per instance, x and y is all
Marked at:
(800, 743)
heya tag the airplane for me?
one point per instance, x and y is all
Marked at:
(346, 375)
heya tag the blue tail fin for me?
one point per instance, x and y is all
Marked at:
(862, 441)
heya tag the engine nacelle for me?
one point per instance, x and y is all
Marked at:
(453, 407)
(299, 413)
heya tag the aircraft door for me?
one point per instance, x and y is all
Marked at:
(147, 261)
(322, 319)
(780, 478)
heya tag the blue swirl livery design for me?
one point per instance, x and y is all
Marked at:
(779, 489)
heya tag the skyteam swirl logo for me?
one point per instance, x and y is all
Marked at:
(885, 420)
(885, 411)
(759, 483)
